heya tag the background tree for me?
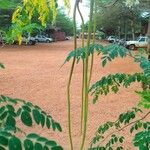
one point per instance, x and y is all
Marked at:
(64, 22)
(123, 21)
(7, 8)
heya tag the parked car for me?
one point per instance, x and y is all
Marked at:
(121, 42)
(42, 38)
(27, 41)
(112, 39)
(141, 42)
(67, 38)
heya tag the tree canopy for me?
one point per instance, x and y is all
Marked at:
(121, 17)
(64, 22)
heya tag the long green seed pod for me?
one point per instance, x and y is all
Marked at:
(82, 103)
(94, 36)
(70, 79)
(86, 77)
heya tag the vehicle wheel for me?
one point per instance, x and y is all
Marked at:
(30, 42)
(48, 41)
(132, 47)
(111, 41)
(33, 43)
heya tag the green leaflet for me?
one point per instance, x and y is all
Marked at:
(36, 116)
(2, 66)
(14, 144)
(113, 83)
(38, 146)
(57, 148)
(10, 121)
(145, 99)
(3, 141)
(26, 118)
(28, 144)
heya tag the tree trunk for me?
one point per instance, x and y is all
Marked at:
(148, 34)
(125, 29)
(119, 30)
(132, 29)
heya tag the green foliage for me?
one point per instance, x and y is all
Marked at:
(30, 142)
(145, 99)
(119, 23)
(27, 112)
(80, 53)
(2, 66)
(25, 13)
(144, 64)
(109, 130)
(114, 82)
(113, 51)
(64, 22)
(7, 4)
(13, 109)
(114, 140)
(142, 140)
(109, 52)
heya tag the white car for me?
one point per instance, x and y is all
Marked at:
(141, 42)
(26, 41)
(112, 39)
(67, 38)
(41, 38)
(29, 40)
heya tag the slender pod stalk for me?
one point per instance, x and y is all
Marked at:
(82, 103)
(148, 34)
(94, 37)
(86, 77)
(70, 79)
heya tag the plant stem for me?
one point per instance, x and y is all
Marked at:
(86, 77)
(82, 103)
(94, 33)
(70, 79)
(121, 129)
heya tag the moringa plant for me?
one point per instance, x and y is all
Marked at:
(106, 84)
(23, 16)
(112, 83)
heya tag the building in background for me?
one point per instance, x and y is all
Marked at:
(55, 33)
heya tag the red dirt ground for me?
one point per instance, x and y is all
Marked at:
(33, 73)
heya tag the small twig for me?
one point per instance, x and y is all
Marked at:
(125, 126)
(135, 121)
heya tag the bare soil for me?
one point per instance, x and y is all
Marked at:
(33, 73)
